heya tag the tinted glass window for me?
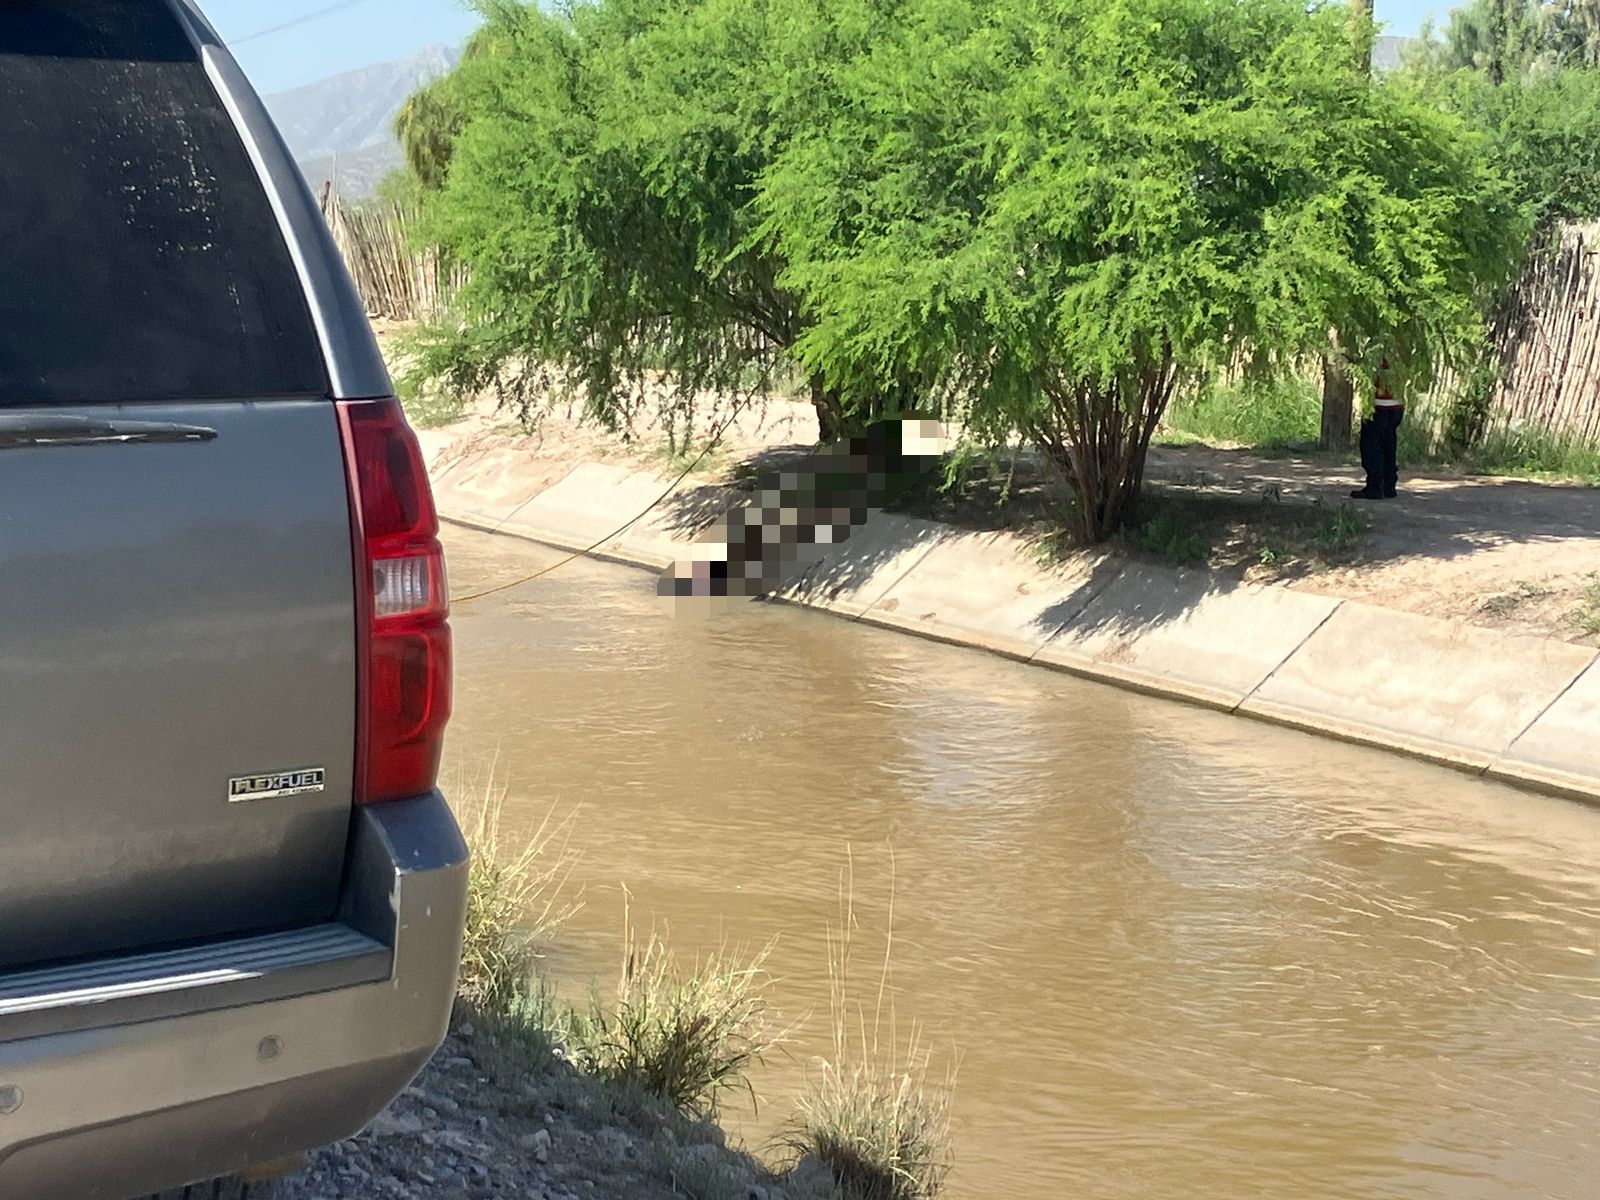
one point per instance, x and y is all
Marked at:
(139, 257)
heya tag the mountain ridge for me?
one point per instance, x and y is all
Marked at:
(341, 129)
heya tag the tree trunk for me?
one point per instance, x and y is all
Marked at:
(1338, 393)
(1499, 31)
(1338, 405)
(830, 412)
(1098, 439)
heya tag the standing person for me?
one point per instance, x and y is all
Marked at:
(1380, 450)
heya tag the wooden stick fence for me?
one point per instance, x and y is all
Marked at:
(1547, 335)
(396, 280)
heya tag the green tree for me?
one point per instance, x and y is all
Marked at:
(1525, 73)
(1060, 209)
(1338, 389)
(1509, 39)
(1041, 215)
(1574, 37)
(431, 118)
(1522, 73)
(427, 125)
(602, 185)
(1543, 133)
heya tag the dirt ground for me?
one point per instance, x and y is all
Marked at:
(1513, 554)
(1518, 555)
(475, 1126)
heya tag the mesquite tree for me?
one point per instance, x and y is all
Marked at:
(604, 162)
(595, 194)
(1064, 208)
(1338, 389)
(1044, 215)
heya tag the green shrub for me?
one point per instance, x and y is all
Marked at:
(517, 1041)
(1522, 452)
(1542, 129)
(1499, 451)
(1587, 618)
(1267, 413)
(1164, 536)
(1470, 411)
(685, 1036)
(1415, 443)
(431, 408)
(428, 404)
(1341, 528)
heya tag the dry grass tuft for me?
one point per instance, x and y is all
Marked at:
(871, 1116)
(683, 1034)
(515, 901)
(879, 1127)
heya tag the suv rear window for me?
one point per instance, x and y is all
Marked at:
(139, 256)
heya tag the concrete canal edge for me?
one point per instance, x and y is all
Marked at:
(1520, 709)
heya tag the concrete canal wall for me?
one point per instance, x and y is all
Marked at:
(1522, 709)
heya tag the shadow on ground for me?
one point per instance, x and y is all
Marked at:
(694, 507)
(1222, 518)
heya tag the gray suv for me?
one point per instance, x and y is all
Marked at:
(231, 897)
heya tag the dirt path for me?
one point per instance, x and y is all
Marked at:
(1512, 554)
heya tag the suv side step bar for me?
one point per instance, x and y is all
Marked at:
(170, 983)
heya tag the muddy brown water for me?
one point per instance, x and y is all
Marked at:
(1175, 953)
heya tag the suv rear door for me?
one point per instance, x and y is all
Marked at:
(177, 601)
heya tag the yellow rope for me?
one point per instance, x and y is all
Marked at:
(590, 549)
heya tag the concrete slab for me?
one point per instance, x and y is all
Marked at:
(853, 577)
(1560, 752)
(1179, 633)
(601, 503)
(1455, 693)
(1526, 710)
(482, 487)
(693, 511)
(987, 590)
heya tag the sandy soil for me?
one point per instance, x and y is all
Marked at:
(1513, 554)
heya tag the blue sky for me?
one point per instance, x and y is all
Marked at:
(362, 33)
(359, 32)
(1405, 17)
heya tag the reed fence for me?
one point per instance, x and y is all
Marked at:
(397, 279)
(1546, 334)
(1549, 334)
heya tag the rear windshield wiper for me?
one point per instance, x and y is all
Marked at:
(17, 430)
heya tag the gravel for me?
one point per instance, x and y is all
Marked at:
(470, 1128)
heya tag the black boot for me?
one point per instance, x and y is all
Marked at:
(1367, 493)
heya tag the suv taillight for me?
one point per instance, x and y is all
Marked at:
(403, 631)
